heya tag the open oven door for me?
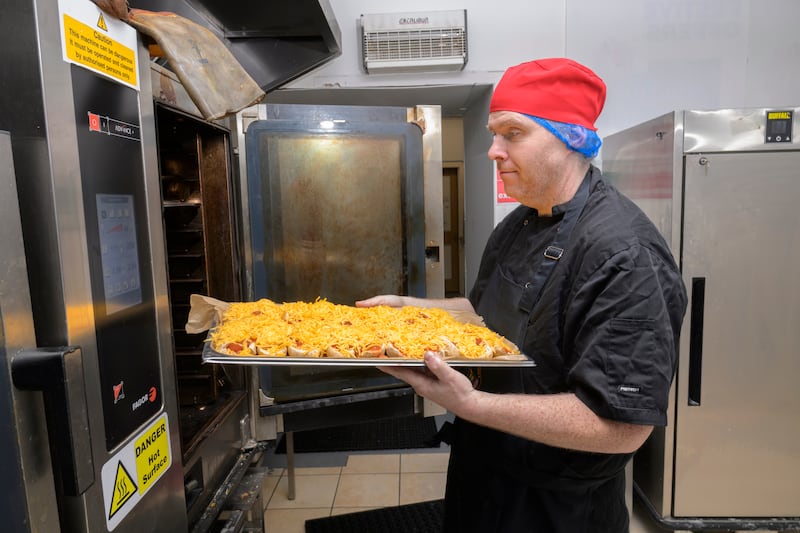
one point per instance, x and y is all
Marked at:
(340, 203)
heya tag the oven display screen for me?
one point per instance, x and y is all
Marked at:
(118, 251)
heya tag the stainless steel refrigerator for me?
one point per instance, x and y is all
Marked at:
(723, 186)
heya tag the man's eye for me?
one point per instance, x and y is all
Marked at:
(511, 134)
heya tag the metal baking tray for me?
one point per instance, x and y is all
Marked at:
(212, 356)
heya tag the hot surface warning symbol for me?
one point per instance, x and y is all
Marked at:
(135, 469)
(124, 489)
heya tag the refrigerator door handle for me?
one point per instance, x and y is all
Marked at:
(58, 373)
(696, 340)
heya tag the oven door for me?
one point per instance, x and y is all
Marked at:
(344, 203)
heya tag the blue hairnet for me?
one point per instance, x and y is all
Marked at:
(576, 137)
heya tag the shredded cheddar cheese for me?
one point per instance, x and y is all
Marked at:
(324, 329)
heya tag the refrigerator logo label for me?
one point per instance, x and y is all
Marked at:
(775, 115)
(135, 469)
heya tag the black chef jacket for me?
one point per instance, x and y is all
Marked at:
(605, 328)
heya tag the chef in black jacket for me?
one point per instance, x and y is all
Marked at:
(581, 280)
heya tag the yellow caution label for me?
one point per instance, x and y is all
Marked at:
(124, 489)
(152, 454)
(95, 50)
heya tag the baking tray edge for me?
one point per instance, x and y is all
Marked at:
(212, 356)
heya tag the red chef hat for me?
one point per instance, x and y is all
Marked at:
(554, 89)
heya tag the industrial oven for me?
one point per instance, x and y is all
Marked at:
(119, 201)
(723, 187)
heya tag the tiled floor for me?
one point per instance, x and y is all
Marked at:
(362, 481)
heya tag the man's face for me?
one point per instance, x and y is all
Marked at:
(529, 158)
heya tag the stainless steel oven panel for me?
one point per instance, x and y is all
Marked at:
(25, 459)
(170, 498)
(42, 121)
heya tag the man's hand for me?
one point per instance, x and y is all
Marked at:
(389, 300)
(393, 300)
(438, 382)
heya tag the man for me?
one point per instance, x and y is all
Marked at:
(584, 284)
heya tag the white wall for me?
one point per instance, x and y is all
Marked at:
(654, 55)
(495, 40)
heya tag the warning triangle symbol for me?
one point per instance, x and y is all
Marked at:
(124, 489)
(101, 23)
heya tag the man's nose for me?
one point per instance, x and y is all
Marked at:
(497, 150)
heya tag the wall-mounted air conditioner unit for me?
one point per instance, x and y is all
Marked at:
(423, 41)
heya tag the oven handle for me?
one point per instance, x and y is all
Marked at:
(58, 373)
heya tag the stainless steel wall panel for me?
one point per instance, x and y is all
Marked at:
(641, 162)
(733, 130)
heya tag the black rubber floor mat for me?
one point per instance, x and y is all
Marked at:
(424, 517)
(400, 433)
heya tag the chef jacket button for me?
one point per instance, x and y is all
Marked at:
(525, 222)
(527, 284)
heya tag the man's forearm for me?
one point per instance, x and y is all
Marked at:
(561, 420)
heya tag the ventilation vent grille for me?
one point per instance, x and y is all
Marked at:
(409, 42)
(419, 44)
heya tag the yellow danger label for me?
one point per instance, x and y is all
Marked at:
(135, 469)
(88, 47)
(152, 454)
(124, 489)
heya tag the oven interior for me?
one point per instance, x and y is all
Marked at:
(200, 240)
